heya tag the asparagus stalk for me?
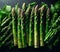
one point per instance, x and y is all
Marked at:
(47, 20)
(50, 31)
(35, 28)
(30, 27)
(22, 31)
(4, 29)
(54, 31)
(5, 21)
(27, 21)
(41, 26)
(8, 29)
(19, 29)
(13, 27)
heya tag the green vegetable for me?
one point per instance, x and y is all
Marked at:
(47, 20)
(35, 28)
(41, 25)
(19, 29)
(30, 27)
(22, 31)
(27, 22)
(14, 27)
(50, 31)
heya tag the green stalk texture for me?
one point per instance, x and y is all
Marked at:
(53, 25)
(35, 28)
(41, 26)
(5, 21)
(47, 20)
(24, 7)
(6, 27)
(14, 27)
(50, 31)
(22, 32)
(54, 31)
(30, 27)
(27, 22)
(19, 29)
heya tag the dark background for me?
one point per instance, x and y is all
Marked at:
(14, 2)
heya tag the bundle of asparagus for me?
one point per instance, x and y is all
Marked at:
(20, 27)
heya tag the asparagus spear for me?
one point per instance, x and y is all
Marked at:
(41, 26)
(35, 28)
(4, 29)
(27, 21)
(53, 19)
(13, 27)
(5, 21)
(19, 29)
(50, 31)
(22, 31)
(30, 27)
(47, 20)
(8, 29)
(54, 31)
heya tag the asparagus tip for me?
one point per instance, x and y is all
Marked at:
(13, 11)
(19, 11)
(36, 7)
